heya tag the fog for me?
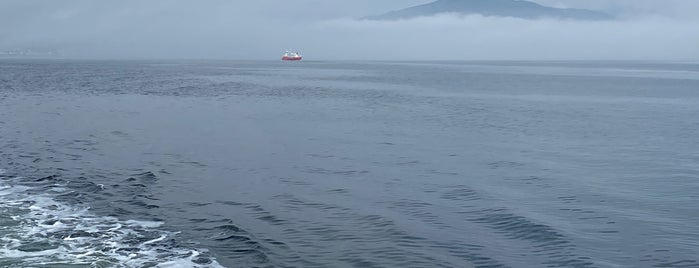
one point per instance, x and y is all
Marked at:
(331, 30)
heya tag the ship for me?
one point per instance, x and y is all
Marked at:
(291, 56)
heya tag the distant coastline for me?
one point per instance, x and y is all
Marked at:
(29, 53)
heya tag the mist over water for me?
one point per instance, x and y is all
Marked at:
(342, 164)
(333, 29)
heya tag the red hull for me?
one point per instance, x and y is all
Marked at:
(291, 58)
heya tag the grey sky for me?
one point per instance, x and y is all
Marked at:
(325, 29)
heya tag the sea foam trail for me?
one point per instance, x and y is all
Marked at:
(37, 230)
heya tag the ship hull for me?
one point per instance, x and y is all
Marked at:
(291, 58)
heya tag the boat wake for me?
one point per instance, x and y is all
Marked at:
(37, 230)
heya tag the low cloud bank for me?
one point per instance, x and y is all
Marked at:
(228, 30)
(452, 36)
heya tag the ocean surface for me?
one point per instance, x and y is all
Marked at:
(348, 164)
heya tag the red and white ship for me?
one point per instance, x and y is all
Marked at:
(291, 56)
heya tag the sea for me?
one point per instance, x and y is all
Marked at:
(348, 163)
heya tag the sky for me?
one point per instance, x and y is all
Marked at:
(331, 30)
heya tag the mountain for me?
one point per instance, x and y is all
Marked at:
(497, 8)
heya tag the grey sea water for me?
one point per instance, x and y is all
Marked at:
(348, 164)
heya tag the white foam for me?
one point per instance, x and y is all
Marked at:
(144, 224)
(161, 238)
(13, 253)
(180, 262)
(79, 237)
